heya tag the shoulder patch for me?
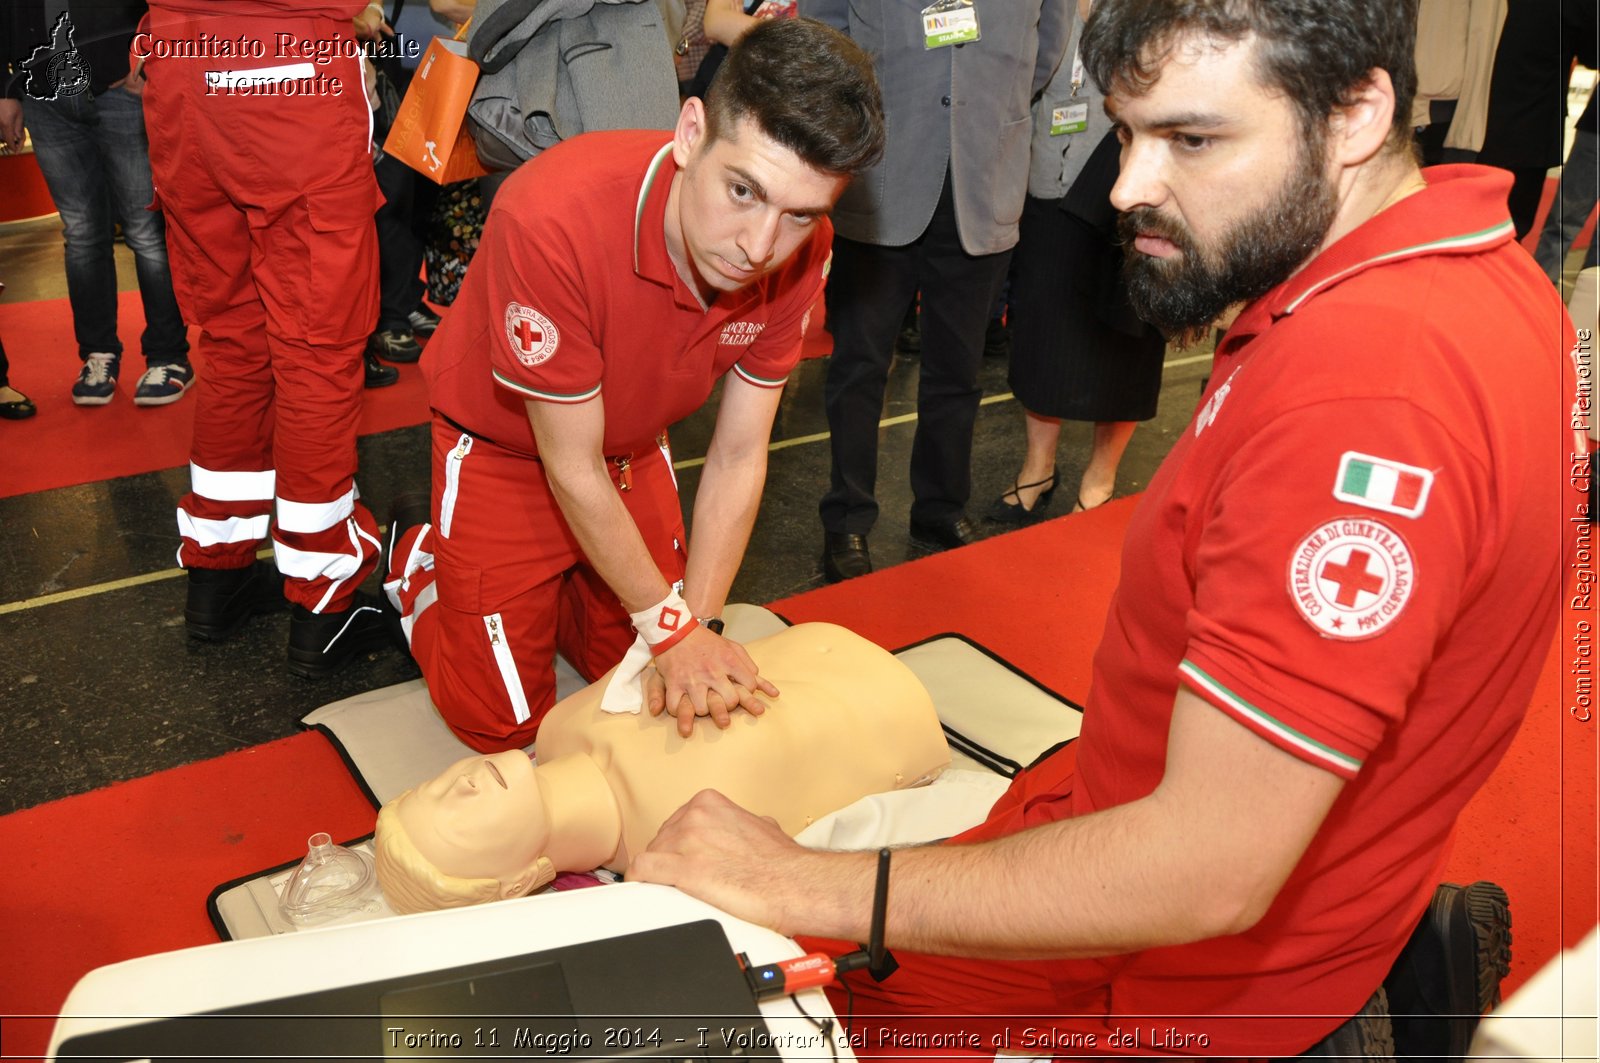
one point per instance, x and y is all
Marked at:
(1351, 577)
(1382, 484)
(533, 337)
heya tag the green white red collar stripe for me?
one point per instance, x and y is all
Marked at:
(644, 194)
(1465, 242)
(1342, 763)
(547, 396)
(760, 381)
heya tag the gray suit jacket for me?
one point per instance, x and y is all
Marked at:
(965, 106)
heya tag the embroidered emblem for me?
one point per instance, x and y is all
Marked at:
(1208, 412)
(827, 265)
(1379, 483)
(741, 333)
(669, 619)
(1351, 577)
(533, 337)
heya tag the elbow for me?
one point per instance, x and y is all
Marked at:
(1240, 901)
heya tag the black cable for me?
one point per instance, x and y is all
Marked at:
(824, 1026)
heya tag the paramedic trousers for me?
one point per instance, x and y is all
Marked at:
(269, 197)
(497, 584)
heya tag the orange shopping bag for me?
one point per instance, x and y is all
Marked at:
(429, 133)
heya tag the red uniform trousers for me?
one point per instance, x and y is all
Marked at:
(497, 584)
(269, 201)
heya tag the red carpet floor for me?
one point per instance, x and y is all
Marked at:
(66, 444)
(125, 871)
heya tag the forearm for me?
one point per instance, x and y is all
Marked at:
(724, 512)
(1108, 883)
(606, 532)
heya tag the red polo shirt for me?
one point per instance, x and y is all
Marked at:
(572, 295)
(1354, 552)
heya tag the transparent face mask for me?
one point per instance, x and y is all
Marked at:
(330, 882)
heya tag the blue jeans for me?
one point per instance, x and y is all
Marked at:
(96, 161)
(1574, 202)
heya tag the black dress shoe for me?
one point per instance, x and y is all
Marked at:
(944, 534)
(221, 599)
(19, 409)
(844, 556)
(378, 374)
(322, 643)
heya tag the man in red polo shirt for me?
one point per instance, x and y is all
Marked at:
(1336, 594)
(621, 275)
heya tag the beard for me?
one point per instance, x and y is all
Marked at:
(1183, 294)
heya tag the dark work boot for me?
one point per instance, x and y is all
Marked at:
(1449, 973)
(222, 599)
(322, 643)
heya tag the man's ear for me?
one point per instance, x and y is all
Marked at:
(1360, 128)
(541, 874)
(690, 130)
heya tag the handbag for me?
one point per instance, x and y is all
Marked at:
(428, 133)
(453, 231)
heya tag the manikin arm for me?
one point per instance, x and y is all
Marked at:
(704, 664)
(1203, 855)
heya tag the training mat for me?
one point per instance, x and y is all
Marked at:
(997, 720)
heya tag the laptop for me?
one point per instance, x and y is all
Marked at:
(674, 993)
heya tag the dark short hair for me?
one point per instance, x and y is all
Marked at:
(808, 87)
(1316, 52)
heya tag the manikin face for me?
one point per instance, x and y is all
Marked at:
(482, 817)
(741, 205)
(1223, 196)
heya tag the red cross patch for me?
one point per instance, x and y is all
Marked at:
(1351, 577)
(532, 336)
(669, 619)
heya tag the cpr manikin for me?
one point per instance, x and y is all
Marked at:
(851, 721)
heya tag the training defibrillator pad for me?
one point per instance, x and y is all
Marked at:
(996, 719)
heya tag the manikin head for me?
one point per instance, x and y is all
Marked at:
(1246, 125)
(793, 114)
(481, 820)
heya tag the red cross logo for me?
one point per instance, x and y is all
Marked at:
(669, 619)
(532, 336)
(1353, 577)
(528, 336)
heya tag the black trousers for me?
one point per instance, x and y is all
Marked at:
(869, 289)
(399, 244)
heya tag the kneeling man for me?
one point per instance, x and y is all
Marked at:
(620, 276)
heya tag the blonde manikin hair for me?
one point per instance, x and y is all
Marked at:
(411, 883)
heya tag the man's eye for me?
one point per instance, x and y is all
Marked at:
(803, 219)
(741, 192)
(1190, 142)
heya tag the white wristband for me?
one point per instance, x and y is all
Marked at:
(664, 624)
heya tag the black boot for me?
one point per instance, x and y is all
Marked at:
(322, 643)
(378, 374)
(222, 599)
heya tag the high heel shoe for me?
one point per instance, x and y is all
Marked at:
(1002, 512)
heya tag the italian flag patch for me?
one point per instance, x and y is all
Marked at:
(1379, 483)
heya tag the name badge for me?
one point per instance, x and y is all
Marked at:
(948, 22)
(1073, 118)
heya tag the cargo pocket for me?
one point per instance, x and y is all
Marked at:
(342, 268)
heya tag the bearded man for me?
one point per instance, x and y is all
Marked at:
(1336, 594)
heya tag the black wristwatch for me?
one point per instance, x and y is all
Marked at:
(713, 622)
